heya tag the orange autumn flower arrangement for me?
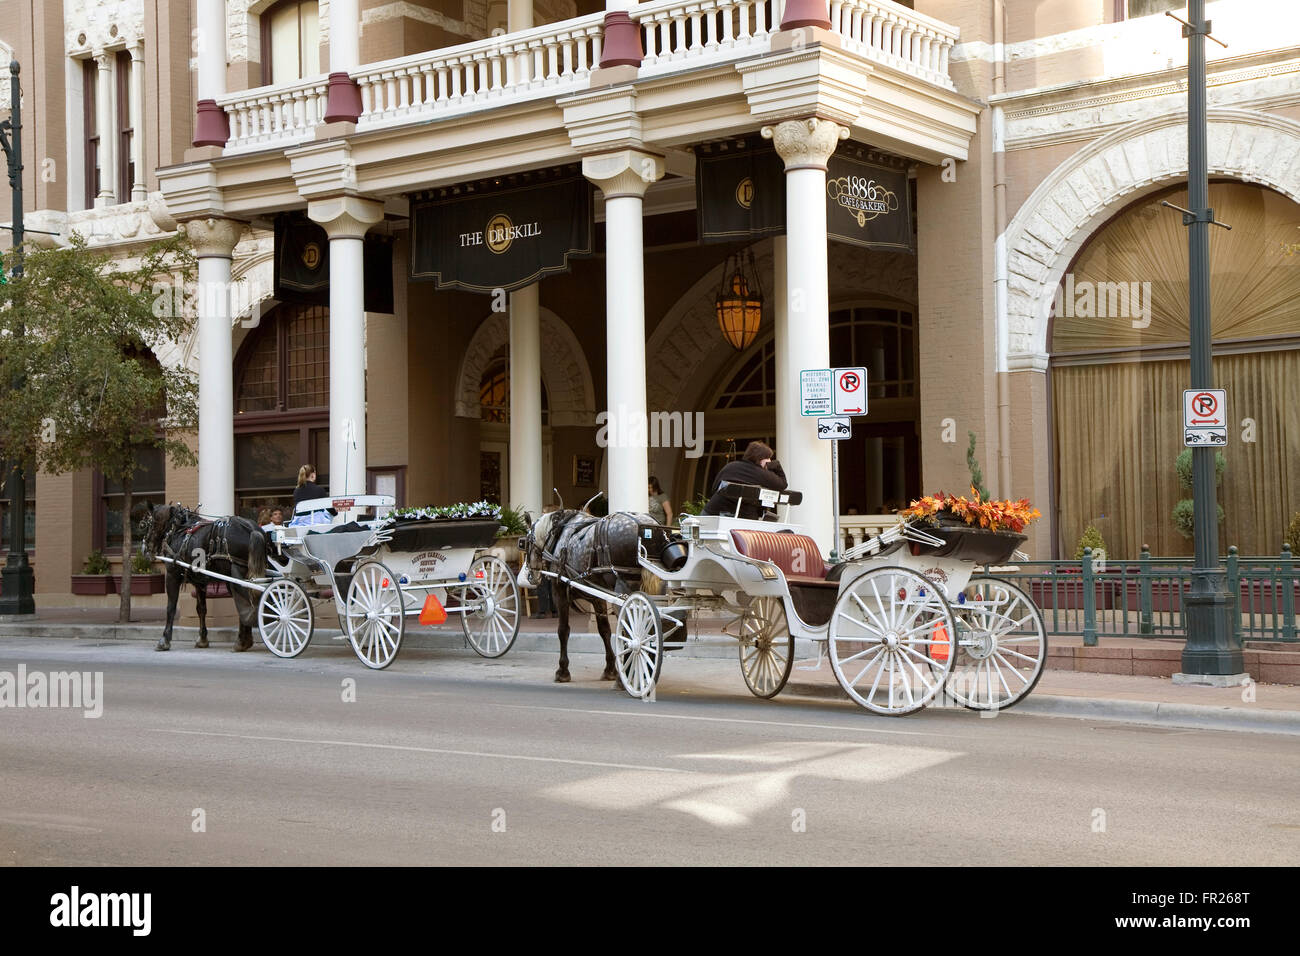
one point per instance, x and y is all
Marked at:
(993, 515)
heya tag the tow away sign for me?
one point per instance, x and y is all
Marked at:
(1205, 417)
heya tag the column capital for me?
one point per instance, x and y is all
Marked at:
(627, 172)
(213, 237)
(805, 143)
(345, 217)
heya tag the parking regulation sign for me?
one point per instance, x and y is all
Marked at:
(816, 391)
(834, 429)
(1205, 417)
(850, 391)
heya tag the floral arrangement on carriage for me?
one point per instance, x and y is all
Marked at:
(973, 529)
(474, 524)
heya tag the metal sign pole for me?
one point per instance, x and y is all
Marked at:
(835, 502)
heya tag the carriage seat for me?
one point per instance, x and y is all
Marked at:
(797, 555)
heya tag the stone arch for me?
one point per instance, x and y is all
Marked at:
(253, 280)
(564, 369)
(1082, 193)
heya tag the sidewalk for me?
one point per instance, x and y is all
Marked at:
(1126, 697)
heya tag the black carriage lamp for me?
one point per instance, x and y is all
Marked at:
(740, 310)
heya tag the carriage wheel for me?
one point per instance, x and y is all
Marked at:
(638, 645)
(1002, 646)
(492, 590)
(766, 647)
(374, 614)
(890, 641)
(284, 618)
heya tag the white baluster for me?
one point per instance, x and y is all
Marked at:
(552, 61)
(943, 58)
(512, 66)
(567, 68)
(651, 49)
(837, 10)
(455, 79)
(404, 90)
(496, 73)
(697, 43)
(539, 61)
(728, 25)
(597, 44)
(582, 67)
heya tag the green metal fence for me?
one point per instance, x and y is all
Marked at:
(1146, 598)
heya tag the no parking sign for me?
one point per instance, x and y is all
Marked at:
(1205, 416)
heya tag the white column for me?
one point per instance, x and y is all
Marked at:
(345, 36)
(211, 44)
(623, 177)
(526, 490)
(787, 380)
(214, 242)
(346, 219)
(519, 15)
(104, 119)
(805, 146)
(138, 190)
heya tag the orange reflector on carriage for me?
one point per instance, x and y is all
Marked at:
(940, 648)
(433, 612)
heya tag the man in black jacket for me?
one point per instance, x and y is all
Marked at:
(757, 467)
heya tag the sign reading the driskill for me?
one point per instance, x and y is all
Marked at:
(502, 236)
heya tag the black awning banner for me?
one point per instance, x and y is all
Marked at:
(502, 239)
(302, 265)
(740, 195)
(867, 205)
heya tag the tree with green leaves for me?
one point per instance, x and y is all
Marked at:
(976, 473)
(79, 328)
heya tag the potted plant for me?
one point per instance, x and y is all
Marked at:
(95, 577)
(145, 579)
(974, 529)
(513, 527)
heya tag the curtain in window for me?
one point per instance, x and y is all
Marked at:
(1119, 431)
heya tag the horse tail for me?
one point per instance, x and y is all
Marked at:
(257, 554)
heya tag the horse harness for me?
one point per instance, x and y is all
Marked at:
(601, 555)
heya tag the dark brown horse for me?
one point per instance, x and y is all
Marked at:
(233, 546)
(600, 552)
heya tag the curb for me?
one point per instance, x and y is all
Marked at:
(1155, 713)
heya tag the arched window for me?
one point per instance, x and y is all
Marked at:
(290, 41)
(494, 390)
(282, 402)
(1120, 363)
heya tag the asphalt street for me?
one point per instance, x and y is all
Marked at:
(211, 757)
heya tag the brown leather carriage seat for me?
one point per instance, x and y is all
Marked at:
(797, 555)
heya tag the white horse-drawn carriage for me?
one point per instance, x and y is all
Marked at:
(381, 569)
(901, 619)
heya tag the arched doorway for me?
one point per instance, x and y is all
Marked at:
(281, 406)
(1119, 364)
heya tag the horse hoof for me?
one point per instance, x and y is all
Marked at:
(203, 642)
(562, 677)
(160, 646)
(609, 675)
(243, 647)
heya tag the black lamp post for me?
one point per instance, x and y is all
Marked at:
(17, 584)
(1212, 649)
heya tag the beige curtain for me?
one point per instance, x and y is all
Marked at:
(1119, 429)
(1256, 274)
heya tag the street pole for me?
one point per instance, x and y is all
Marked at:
(17, 585)
(1212, 655)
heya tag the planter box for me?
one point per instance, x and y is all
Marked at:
(969, 543)
(1267, 597)
(97, 584)
(142, 584)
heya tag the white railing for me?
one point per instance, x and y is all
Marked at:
(557, 57)
(704, 29)
(896, 36)
(275, 115)
(855, 529)
(547, 58)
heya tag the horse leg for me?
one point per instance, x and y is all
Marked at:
(602, 625)
(244, 607)
(561, 595)
(173, 593)
(201, 606)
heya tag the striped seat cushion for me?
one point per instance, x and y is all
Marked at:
(797, 555)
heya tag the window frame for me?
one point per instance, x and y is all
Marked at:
(93, 141)
(99, 522)
(29, 475)
(125, 131)
(264, 26)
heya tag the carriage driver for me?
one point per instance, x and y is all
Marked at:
(308, 490)
(757, 467)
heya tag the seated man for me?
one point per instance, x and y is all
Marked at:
(757, 467)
